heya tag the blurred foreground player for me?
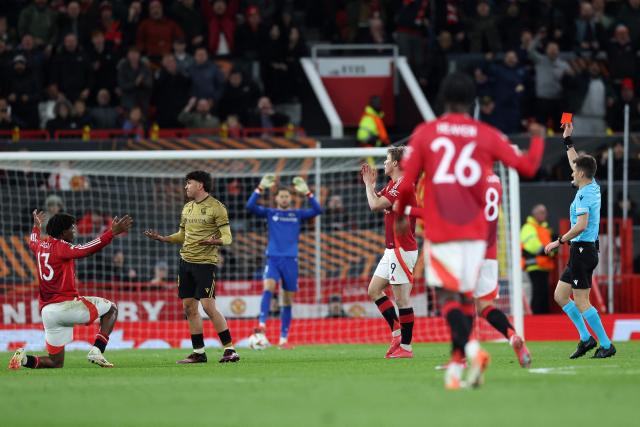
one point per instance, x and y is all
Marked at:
(204, 227)
(455, 152)
(487, 288)
(400, 255)
(61, 306)
(283, 225)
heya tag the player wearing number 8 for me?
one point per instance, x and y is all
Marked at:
(455, 152)
(400, 256)
(61, 305)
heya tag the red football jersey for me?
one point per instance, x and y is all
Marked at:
(455, 152)
(493, 199)
(391, 192)
(56, 269)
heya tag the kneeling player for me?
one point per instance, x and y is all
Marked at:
(61, 305)
(400, 255)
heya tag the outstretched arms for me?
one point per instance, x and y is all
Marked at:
(528, 164)
(118, 226)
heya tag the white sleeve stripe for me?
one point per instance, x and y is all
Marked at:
(88, 245)
(91, 242)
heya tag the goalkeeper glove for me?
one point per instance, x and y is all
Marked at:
(267, 181)
(300, 185)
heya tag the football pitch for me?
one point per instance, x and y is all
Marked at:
(346, 385)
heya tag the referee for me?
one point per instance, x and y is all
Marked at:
(583, 256)
(204, 227)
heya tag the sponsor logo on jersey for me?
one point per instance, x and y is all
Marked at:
(291, 217)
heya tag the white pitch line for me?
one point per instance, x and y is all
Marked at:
(563, 370)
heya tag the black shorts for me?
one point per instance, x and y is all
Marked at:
(196, 280)
(583, 259)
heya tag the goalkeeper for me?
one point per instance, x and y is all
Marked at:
(283, 225)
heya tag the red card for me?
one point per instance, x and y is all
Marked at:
(566, 118)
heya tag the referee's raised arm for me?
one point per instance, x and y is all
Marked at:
(572, 154)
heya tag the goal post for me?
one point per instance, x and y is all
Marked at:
(338, 250)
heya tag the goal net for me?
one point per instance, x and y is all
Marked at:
(338, 252)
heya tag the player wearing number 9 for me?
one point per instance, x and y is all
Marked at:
(400, 255)
(61, 305)
(456, 152)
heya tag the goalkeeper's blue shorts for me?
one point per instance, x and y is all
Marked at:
(285, 269)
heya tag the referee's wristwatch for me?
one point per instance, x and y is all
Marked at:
(560, 240)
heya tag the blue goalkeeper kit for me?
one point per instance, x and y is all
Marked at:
(283, 225)
(282, 251)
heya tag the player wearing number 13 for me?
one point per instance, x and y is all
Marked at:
(61, 306)
(456, 152)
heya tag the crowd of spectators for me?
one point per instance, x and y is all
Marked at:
(116, 64)
(66, 64)
(533, 60)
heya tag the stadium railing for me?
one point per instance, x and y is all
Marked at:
(89, 134)
(18, 134)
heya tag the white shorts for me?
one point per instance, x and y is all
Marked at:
(390, 269)
(454, 265)
(60, 318)
(487, 288)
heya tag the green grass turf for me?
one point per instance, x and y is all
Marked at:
(325, 386)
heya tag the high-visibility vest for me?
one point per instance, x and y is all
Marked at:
(371, 124)
(533, 239)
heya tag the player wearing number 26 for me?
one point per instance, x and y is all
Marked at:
(456, 154)
(61, 305)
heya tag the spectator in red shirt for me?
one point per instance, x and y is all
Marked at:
(222, 25)
(110, 27)
(156, 33)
